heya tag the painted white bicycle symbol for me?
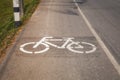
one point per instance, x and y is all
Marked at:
(76, 47)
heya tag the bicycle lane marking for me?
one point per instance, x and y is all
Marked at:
(31, 52)
(68, 44)
(103, 46)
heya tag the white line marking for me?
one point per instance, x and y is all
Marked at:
(101, 43)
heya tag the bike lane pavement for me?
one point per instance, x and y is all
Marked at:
(58, 18)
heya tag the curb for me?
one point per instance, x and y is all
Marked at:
(9, 52)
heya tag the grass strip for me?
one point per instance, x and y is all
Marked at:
(7, 28)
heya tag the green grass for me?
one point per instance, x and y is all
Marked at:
(6, 11)
(7, 28)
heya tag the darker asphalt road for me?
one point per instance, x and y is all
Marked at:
(104, 15)
(61, 19)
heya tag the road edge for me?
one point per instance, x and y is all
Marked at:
(10, 50)
(101, 43)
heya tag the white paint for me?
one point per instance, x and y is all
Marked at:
(17, 16)
(16, 3)
(90, 51)
(108, 53)
(42, 40)
(22, 48)
(69, 47)
(81, 47)
(25, 51)
(67, 44)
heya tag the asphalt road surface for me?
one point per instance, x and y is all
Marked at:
(59, 43)
(105, 19)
